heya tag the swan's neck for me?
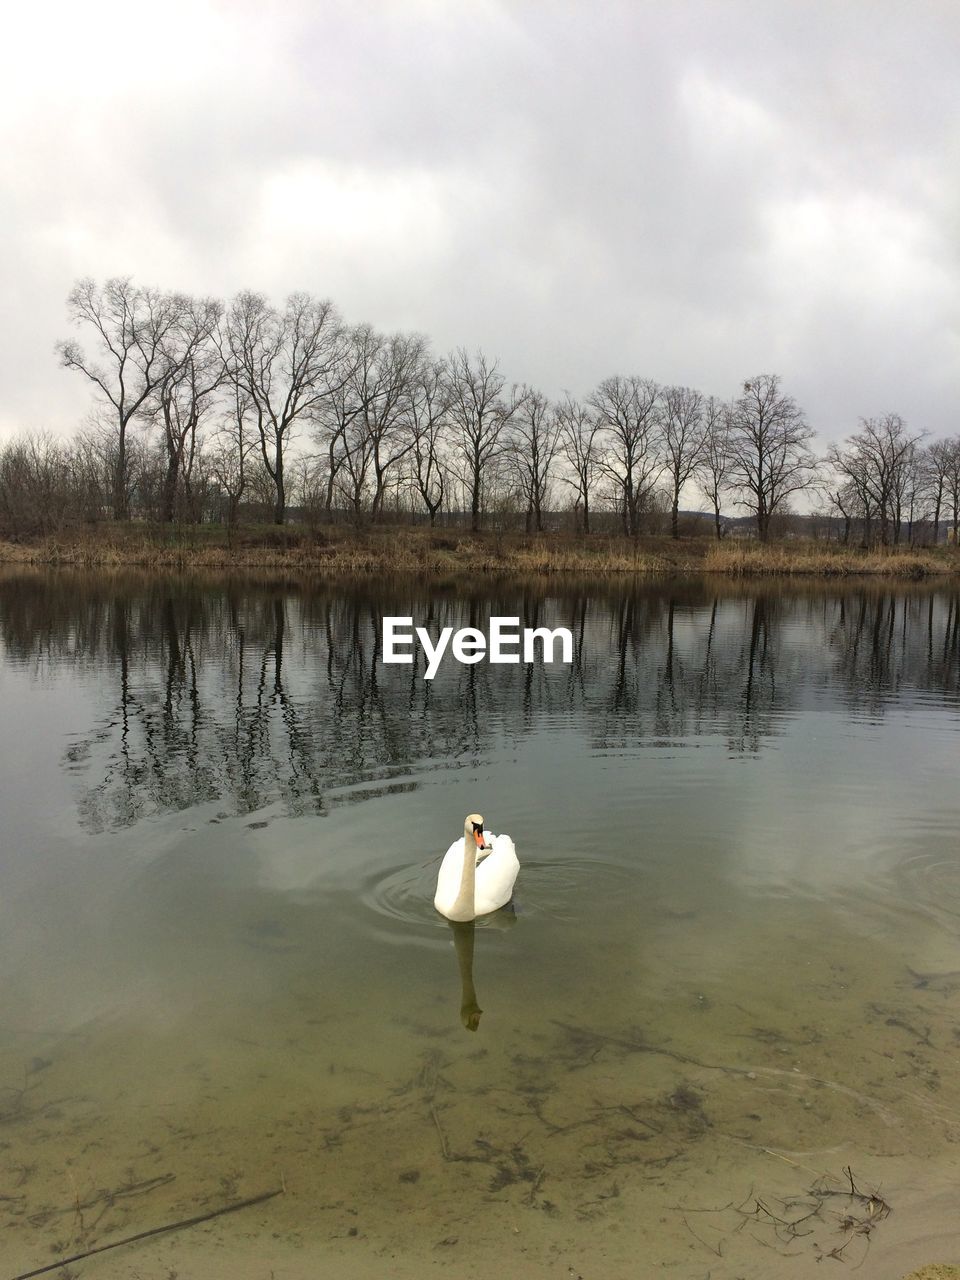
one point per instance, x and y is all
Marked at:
(463, 906)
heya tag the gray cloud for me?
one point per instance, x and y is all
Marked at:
(689, 191)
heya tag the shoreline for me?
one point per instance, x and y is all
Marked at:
(339, 551)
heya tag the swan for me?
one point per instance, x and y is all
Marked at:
(471, 884)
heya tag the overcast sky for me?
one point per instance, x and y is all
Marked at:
(691, 191)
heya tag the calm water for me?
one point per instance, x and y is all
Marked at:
(732, 966)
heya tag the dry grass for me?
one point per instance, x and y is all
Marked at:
(742, 559)
(342, 552)
(345, 552)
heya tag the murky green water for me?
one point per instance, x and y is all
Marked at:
(732, 967)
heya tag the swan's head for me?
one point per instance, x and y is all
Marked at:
(473, 826)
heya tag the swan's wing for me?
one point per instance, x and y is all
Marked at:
(498, 845)
(484, 854)
(496, 875)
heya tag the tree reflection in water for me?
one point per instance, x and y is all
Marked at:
(252, 692)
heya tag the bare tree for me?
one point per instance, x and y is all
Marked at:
(845, 497)
(628, 411)
(849, 492)
(36, 489)
(429, 414)
(936, 464)
(771, 461)
(536, 438)
(193, 372)
(288, 363)
(715, 466)
(308, 486)
(354, 474)
(91, 474)
(335, 414)
(579, 429)
(354, 409)
(479, 415)
(953, 485)
(385, 379)
(909, 492)
(683, 441)
(233, 443)
(873, 463)
(132, 326)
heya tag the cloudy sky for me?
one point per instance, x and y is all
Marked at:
(689, 190)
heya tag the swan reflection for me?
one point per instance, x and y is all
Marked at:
(464, 935)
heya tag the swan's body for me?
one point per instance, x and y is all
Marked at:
(477, 874)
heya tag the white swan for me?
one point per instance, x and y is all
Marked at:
(471, 884)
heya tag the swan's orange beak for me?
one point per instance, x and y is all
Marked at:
(478, 836)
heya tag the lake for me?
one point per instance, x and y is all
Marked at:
(731, 970)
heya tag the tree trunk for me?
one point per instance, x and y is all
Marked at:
(376, 506)
(630, 502)
(169, 496)
(280, 507)
(120, 508)
(675, 518)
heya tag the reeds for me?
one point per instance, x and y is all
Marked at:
(742, 559)
(344, 552)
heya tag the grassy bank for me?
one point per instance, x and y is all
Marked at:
(819, 559)
(341, 551)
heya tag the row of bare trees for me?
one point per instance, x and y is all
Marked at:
(204, 408)
(887, 481)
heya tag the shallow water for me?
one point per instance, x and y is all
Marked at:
(731, 969)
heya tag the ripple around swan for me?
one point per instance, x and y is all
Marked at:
(882, 895)
(931, 883)
(397, 907)
(402, 893)
(551, 888)
(555, 887)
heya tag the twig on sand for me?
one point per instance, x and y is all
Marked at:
(444, 1149)
(714, 1248)
(875, 1207)
(154, 1231)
